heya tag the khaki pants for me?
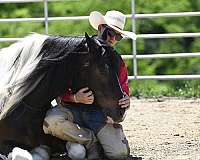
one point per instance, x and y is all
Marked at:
(114, 142)
(59, 123)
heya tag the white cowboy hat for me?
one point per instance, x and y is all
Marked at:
(114, 19)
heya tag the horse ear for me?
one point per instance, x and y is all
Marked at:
(87, 36)
(90, 42)
(93, 45)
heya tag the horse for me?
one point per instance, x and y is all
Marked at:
(39, 68)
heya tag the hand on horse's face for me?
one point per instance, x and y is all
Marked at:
(84, 96)
(125, 102)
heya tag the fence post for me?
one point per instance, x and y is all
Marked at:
(46, 15)
(134, 52)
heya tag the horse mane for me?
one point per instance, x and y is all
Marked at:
(56, 50)
(16, 63)
(25, 63)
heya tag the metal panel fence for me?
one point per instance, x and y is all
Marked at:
(134, 17)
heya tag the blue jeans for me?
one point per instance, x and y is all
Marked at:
(93, 120)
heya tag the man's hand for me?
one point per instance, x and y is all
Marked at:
(84, 96)
(125, 102)
(109, 120)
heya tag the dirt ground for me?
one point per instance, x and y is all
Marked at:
(164, 128)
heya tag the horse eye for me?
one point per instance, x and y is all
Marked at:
(105, 70)
(86, 64)
(106, 66)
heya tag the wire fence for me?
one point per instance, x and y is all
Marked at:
(134, 17)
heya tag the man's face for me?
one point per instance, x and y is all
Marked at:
(112, 36)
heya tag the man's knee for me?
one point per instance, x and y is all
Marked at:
(54, 119)
(59, 123)
(76, 151)
(119, 153)
(114, 142)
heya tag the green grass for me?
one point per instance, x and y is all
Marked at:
(152, 88)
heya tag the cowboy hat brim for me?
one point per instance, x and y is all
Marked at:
(96, 18)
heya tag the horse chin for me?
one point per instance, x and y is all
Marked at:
(116, 114)
(112, 109)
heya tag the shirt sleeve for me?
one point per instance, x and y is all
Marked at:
(123, 77)
(67, 96)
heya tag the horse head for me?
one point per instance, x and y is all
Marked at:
(98, 73)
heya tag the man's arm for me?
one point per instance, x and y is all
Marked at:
(123, 79)
(84, 96)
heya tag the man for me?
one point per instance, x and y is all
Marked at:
(84, 126)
